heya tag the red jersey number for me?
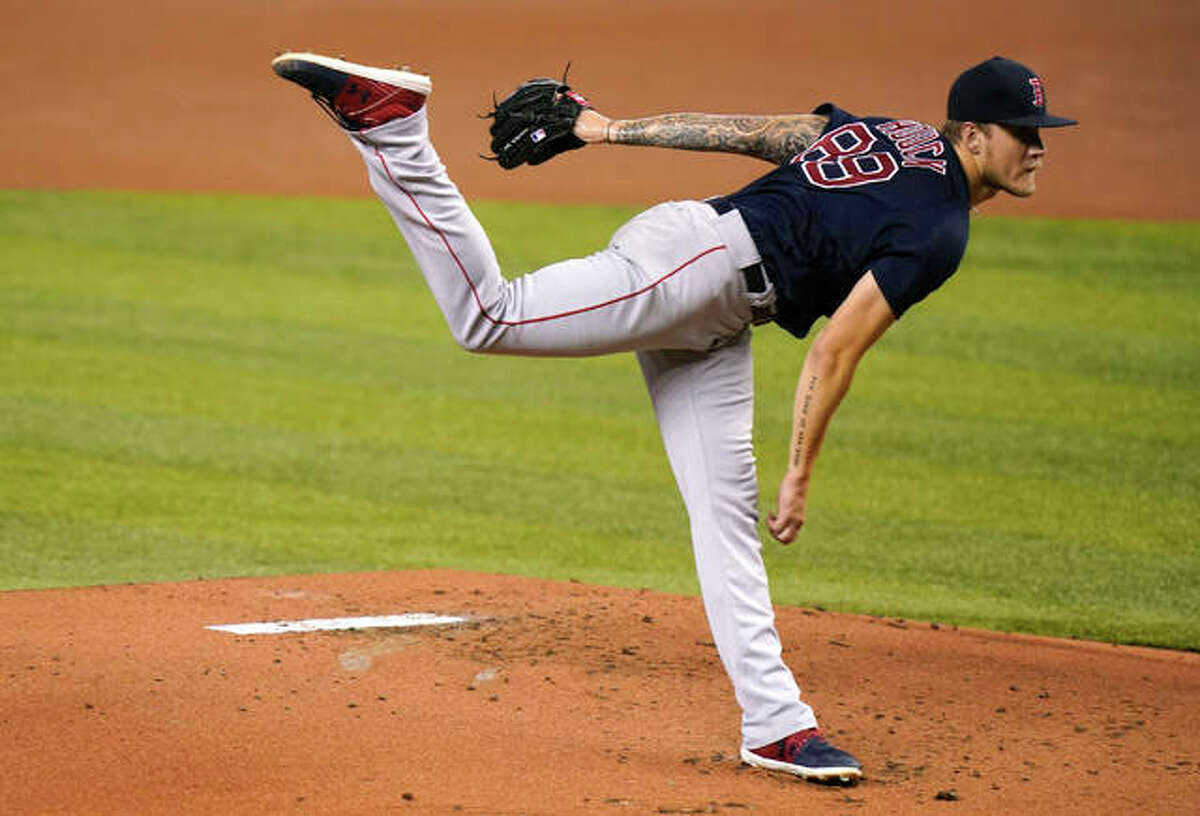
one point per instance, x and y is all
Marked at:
(843, 158)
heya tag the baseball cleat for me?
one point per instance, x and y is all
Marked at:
(356, 96)
(807, 755)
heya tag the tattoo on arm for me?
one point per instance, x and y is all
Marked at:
(802, 421)
(771, 138)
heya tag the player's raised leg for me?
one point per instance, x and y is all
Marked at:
(408, 175)
(667, 278)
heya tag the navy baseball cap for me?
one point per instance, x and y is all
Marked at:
(1001, 91)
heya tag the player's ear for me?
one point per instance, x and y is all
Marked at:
(974, 137)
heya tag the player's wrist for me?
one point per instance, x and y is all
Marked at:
(593, 127)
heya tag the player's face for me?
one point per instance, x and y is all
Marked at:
(1011, 158)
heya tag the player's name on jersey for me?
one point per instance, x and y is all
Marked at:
(913, 139)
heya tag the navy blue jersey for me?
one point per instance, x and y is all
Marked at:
(877, 194)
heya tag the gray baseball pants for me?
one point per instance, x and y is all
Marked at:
(668, 287)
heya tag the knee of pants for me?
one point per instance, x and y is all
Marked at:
(473, 342)
(474, 331)
(477, 342)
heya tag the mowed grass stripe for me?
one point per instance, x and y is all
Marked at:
(222, 385)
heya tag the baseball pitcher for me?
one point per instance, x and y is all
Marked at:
(859, 219)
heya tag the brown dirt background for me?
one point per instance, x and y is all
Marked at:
(117, 700)
(179, 96)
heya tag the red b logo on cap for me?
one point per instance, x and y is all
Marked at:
(1039, 96)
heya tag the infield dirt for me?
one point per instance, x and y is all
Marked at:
(557, 698)
(563, 698)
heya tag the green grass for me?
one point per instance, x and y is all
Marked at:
(216, 386)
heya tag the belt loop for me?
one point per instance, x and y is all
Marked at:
(756, 278)
(760, 293)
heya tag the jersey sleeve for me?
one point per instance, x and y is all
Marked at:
(911, 266)
(837, 116)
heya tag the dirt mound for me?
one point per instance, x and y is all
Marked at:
(555, 698)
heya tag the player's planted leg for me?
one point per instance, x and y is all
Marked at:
(704, 403)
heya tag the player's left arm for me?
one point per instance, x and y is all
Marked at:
(824, 380)
(770, 138)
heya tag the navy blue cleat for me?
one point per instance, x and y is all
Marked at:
(807, 755)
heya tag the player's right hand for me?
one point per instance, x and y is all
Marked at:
(788, 519)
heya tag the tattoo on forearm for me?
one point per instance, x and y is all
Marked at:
(802, 421)
(772, 138)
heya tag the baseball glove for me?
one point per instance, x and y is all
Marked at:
(536, 122)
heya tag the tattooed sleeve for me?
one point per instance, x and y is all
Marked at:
(771, 138)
